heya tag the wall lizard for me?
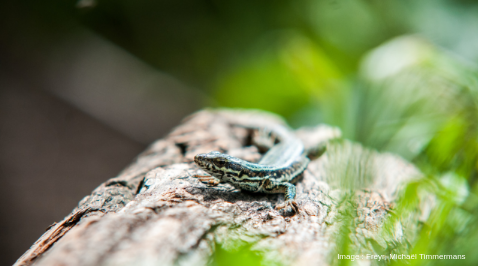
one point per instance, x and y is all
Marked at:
(276, 172)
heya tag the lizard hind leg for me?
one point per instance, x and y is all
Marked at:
(289, 195)
(287, 188)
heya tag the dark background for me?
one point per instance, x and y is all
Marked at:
(87, 85)
(74, 110)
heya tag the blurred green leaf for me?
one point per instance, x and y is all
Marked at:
(241, 255)
(281, 78)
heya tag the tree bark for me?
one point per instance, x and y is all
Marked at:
(155, 212)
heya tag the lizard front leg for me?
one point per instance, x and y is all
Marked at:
(208, 180)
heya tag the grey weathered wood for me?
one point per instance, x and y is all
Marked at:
(155, 213)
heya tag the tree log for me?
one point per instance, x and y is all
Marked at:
(155, 213)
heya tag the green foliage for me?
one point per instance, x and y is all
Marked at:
(407, 96)
(242, 256)
(280, 77)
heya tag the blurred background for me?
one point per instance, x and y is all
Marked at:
(87, 85)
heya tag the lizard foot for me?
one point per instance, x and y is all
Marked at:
(288, 208)
(209, 181)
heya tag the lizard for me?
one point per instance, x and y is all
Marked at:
(276, 172)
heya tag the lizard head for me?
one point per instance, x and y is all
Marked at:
(214, 163)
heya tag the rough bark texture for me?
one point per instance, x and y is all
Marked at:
(156, 213)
